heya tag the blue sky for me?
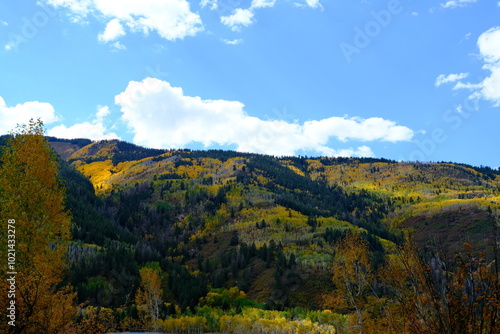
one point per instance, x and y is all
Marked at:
(399, 79)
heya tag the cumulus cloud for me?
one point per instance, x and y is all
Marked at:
(245, 17)
(442, 79)
(102, 112)
(162, 116)
(23, 112)
(314, 3)
(489, 49)
(489, 45)
(457, 3)
(239, 18)
(171, 19)
(78, 9)
(356, 128)
(113, 30)
(94, 130)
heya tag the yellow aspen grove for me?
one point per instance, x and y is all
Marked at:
(34, 237)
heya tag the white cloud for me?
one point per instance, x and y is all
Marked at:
(90, 130)
(116, 46)
(4, 23)
(489, 45)
(78, 9)
(22, 113)
(457, 3)
(355, 128)
(233, 41)
(263, 3)
(244, 17)
(212, 4)
(489, 49)
(314, 4)
(171, 19)
(414, 13)
(113, 30)
(102, 111)
(240, 17)
(161, 116)
(94, 130)
(309, 3)
(466, 85)
(442, 79)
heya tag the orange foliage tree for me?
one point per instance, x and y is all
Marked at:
(353, 275)
(31, 199)
(462, 296)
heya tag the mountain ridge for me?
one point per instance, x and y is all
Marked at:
(377, 195)
(270, 227)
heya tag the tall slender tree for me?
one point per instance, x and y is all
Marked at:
(149, 296)
(353, 275)
(32, 200)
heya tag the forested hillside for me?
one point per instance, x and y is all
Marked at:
(226, 240)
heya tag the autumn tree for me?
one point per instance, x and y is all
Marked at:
(149, 295)
(31, 198)
(435, 296)
(352, 274)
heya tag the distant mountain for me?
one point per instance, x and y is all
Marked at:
(222, 218)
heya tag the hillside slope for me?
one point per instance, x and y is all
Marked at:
(229, 217)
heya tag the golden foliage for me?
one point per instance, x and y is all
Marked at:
(149, 296)
(353, 275)
(435, 298)
(31, 195)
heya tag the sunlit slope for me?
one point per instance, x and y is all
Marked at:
(188, 206)
(444, 204)
(221, 212)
